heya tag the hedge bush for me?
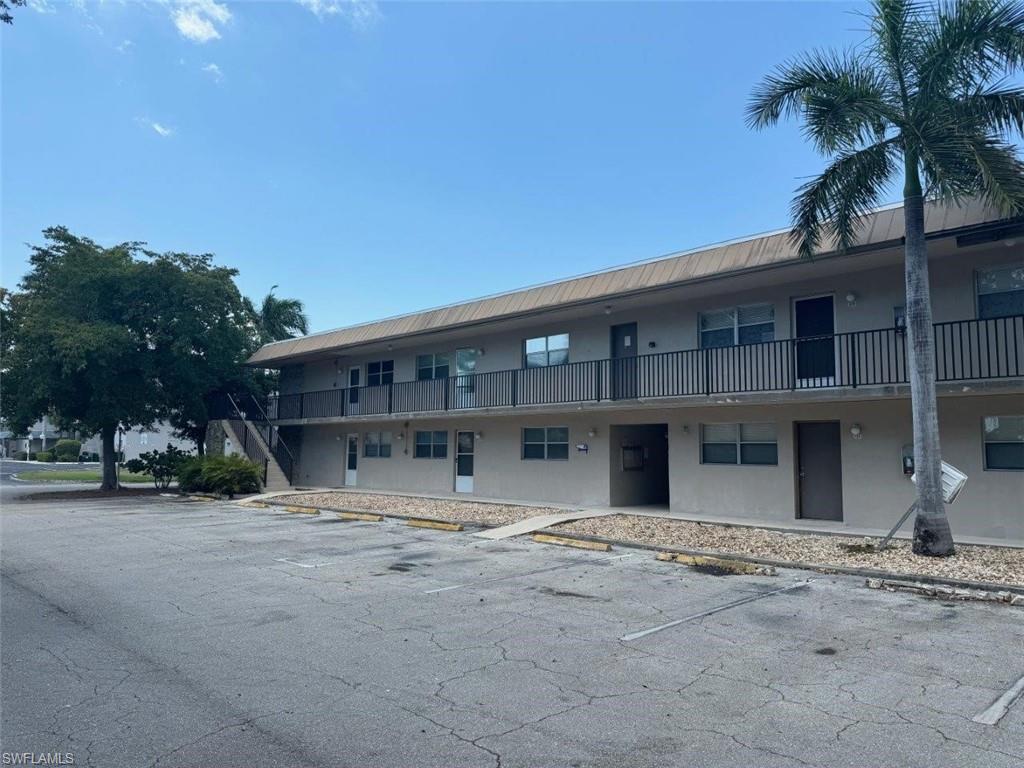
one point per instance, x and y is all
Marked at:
(231, 475)
(219, 474)
(67, 449)
(45, 456)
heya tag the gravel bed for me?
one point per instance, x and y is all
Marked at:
(999, 565)
(437, 509)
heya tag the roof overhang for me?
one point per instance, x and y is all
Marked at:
(971, 223)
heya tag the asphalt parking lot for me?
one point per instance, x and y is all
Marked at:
(160, 632)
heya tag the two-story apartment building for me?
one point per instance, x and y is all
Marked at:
(736, 382)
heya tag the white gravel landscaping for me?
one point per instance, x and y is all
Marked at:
(997, 565)
(454, 510)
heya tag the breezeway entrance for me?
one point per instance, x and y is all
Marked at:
(638, 465)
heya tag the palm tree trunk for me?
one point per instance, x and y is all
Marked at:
(109, 482)
(931, 527)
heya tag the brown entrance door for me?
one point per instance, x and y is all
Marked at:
(819, 471)
(624, 378)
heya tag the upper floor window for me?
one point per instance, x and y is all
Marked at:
(737, 325)
(738, 444)
(1001, 291)
(546, 350)
(380, 373)
(433, 366)
(1004, 442)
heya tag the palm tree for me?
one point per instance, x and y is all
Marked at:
(278, 319)
(925, 101)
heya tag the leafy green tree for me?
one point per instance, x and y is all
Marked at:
(5, 9)
(199, 328)
(925, 101)
(74, 346)
(108, 337)
(277, 318)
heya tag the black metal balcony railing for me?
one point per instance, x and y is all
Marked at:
(965, 350)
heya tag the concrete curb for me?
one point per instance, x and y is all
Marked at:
(818, 567)
(867, 573)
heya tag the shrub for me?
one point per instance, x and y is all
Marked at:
(230, 475)
(45, 456)
(162, 465)
(190, 476)
(67, 450)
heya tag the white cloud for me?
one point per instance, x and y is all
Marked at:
(213, 71)
(361, 14)
(124, 46)
(41, 6)
(159, 128)
(199, 20)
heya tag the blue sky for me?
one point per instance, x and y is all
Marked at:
(376, 158)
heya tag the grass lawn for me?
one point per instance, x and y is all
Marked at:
(78, 476)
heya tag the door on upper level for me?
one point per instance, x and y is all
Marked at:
(624, 363)
(814, 330)
(355, 378)
(465, 381)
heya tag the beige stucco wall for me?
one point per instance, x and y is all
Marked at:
(875, 491)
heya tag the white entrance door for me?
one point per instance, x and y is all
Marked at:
(464, 462)
(351, 458)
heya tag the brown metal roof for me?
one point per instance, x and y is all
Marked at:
(883, 226)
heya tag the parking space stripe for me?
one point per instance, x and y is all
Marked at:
(526, 573)
(300, 565)
(711, 611)
(1000, 706)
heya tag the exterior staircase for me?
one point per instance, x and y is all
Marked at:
(246, 424)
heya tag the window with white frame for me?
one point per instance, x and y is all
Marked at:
(1004, 442)
(431, 445)
(1000, 291)
(739, 444)
(546, 350)
(380, 372)
(749, 324)
(432, 366)
(377, 445)
(546, 443)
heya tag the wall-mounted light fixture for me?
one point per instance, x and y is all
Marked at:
(686, 429)
(479, 435)
(607, 309)
(856, 432)
(400, 436)
(592, 432)
(851, 299)
(651, 344)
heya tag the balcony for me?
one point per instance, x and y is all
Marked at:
(966, 350)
